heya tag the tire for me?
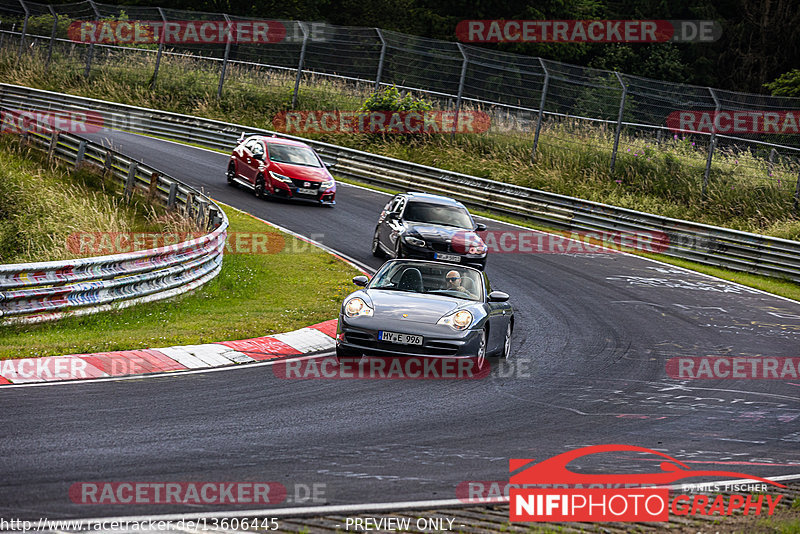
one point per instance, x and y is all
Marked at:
(260, 191)
(505, 352)
(231, 174)
(481, 354)
(377, 251)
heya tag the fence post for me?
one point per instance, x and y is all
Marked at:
(619, 121)
(545, 86)
(229, 34)
(797, 193)
(160, 49)
(52, 37)
(24, 29)
(771, 162)
(380, 61)
(711, 144)
(460, 87)
(300, 64)
(90, 52)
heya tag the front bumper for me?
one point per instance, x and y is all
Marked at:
(323, 196)
(425, 253)
(438, 341)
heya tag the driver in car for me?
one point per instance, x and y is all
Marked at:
(454, 282)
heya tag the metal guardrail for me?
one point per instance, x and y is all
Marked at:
(705, 244)
(44, 291)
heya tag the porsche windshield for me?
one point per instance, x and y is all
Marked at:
(428, 212)
(430, 278)
(294, 155)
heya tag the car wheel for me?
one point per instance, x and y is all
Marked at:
(482, 349)
(377, 251)
(259, 190)
(231, 174)
(507, 342)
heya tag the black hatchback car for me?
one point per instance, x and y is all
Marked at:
(429, 227)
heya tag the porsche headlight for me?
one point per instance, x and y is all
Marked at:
(414, 241)
(327, 184)
(280, 177)
(356, 306)
(459, 320)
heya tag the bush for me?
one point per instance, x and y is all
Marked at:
(390, 99)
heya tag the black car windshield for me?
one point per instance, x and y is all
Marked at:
(428, 212)
(429, 278)
(294, 155)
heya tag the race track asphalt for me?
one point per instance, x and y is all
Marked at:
(594, 333)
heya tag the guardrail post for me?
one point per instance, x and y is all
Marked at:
(380, 61)
(545, 86)
(228, 40)
(300, 64)
(460, 87)
(90, 52)
(81, 154)
(153, 188)
(160, 50)
(108, 162)
(52, 37)
(24, 29)
(130, 178)
(187, 209)
(619, 121)
(51, 150)
(173, 193)
(712, 142)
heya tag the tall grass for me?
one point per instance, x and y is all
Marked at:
(664, 177)
(42, 204)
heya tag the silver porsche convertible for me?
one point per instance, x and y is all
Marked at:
(425, 308)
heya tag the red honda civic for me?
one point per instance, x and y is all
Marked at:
(271, 166)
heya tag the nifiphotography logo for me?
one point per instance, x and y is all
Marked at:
(549, 491)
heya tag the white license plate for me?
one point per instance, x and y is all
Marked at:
(403, 339)
(446, 257)
(304, 191)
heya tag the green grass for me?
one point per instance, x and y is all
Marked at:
(662, 178)
(254, 295)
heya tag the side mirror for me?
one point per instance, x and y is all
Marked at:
(259, 157)
(498, 296)
(392, 216)
(480, 227)
(362, 280)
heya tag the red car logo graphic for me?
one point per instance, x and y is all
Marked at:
(554, 470)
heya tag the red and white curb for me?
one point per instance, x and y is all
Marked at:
(312, 339)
